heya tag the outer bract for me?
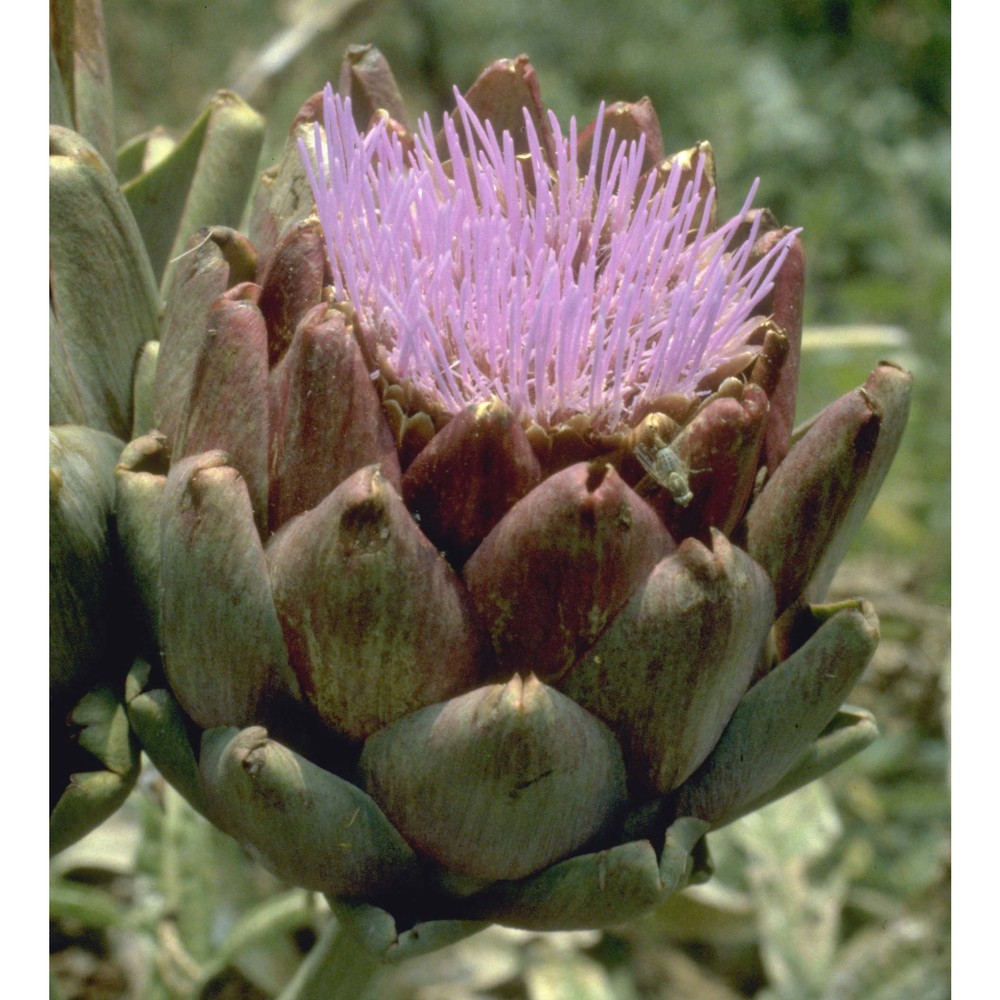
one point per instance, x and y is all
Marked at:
(394, 526)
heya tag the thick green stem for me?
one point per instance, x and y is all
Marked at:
(337, 968)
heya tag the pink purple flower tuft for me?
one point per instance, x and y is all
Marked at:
(557, 289)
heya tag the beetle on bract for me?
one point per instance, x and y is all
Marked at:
(667, 468)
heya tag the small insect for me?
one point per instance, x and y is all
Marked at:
(664, 465)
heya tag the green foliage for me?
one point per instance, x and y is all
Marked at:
(191, 908)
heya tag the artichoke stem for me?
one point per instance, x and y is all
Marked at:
(335, 969)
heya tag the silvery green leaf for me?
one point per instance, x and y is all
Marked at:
(799, 900)
(569, 977)
(907, 960)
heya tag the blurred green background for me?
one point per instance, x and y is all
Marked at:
(842, 108)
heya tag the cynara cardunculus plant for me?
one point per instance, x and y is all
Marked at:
(475, 545)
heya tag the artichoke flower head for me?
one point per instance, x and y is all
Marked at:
(479, 552)
(564, 281)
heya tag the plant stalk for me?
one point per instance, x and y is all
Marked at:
(337, 968)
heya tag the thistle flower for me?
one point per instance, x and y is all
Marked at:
(474, 535)
(558, 287)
